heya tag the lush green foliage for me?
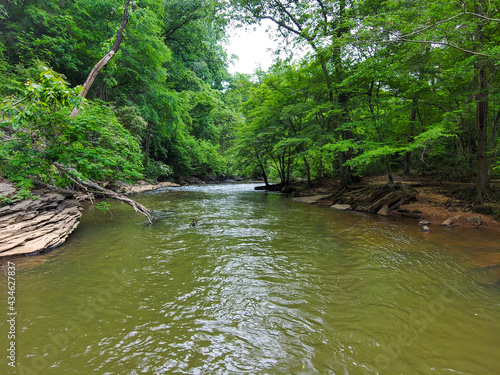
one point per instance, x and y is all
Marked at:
(39, 132)
(386, 85)
(165, 116)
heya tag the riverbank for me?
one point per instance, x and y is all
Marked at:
(42, 222)
(36, 224)
(433, 202)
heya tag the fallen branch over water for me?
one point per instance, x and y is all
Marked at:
(73, 174)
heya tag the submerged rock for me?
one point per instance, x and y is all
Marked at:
(413, 215)
(447, 222)
(342, 207)
(425, 228)
(32, 226)
(310, 200)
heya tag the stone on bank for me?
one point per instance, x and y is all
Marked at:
(32, 226)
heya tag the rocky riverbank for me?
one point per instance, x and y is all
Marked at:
(142, 186)
(428, 202)
(45, 221)
(34, 225)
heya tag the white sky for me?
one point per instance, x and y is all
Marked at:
(252, 48)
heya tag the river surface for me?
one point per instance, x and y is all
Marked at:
(262, 285)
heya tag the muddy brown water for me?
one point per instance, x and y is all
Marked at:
(262, 285)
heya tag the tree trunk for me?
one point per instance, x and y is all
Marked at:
(390, 179)
(411, 133)
(308, 171)
(320, 171)
(264, 175)
(481, 98)
(288, 167)
(482, 135)
(343, 181)
(283, 168)
(97, 68)
(146, 149)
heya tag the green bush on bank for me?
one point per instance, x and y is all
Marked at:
(36, 131)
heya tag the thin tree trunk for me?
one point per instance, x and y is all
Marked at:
(264, 175)
(411, 134)
(308, 171)
(97, 67)
(481, 98)
(146, 149)
(320, 171)
(282, 167)
(343, 181)
(390, 179)
(482, 135)
(288, 167)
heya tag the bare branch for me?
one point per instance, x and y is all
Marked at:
(447, 45)
(432, 26)
(191, 17)
(483, 17)
(72, 175)
(449, 19)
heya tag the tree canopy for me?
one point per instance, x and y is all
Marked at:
(386, 86)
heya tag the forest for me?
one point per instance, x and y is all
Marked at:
(119, 90)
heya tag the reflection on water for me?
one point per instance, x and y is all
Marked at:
(262, 285)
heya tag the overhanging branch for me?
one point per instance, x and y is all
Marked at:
(97, 67)
(447, 45)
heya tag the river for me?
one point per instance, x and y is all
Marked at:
(262, 285)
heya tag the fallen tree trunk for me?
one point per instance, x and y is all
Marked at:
(72, 174)
(274, 187)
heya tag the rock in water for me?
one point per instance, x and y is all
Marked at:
(447, 222)
(384, 211)
(475, 220)
(342, 207)
(425, 228)
(424, 223)
(310, 200)
(32, 226)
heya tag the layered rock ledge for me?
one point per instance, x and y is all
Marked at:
(34, 226)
